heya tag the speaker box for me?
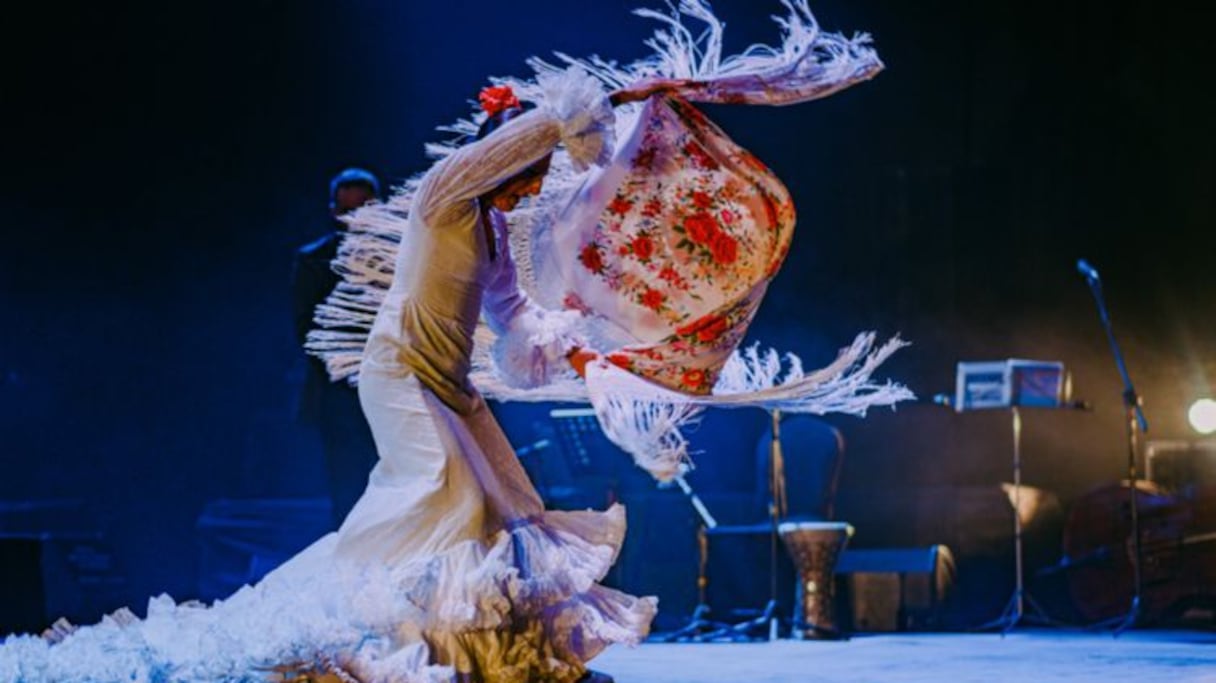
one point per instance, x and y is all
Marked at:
(22, 590)
(45, 577)
(1184, 468)
(893, 589)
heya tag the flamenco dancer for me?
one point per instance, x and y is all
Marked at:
(628, 283)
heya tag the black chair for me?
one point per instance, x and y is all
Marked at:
(813, 452)
(744, 565)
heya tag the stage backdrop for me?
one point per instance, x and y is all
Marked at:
(162, 162)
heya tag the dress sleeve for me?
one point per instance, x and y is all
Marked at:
(574, 111)
(532, 342)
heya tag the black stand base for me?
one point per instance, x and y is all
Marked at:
(695, 630)
(1022, 609)
(760, 628)
(1126, 622)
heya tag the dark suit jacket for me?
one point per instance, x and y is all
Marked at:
(312, 281)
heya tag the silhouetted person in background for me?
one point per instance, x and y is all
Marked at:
(333, 407)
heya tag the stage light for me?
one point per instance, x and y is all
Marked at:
(1203, 415)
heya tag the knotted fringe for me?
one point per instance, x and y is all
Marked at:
(646, 420)
(366, 261)
(805, 51)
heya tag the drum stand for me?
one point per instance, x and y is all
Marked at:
(1016, 611)
(778, 508)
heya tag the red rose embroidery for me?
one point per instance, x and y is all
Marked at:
(591, 259)
(620, 360)
(653, 299)
(706, 328)
(643, 247)
(725, 249)
(693, 379)
(685, 330)
(701, 200)
(700, 157)
(620, 206)
(652, 208)
(668, 274)
(700, 228)
(770, 212)
(644, 159)
(712, 331)
(727, 216)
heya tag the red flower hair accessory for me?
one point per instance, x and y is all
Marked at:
(497, 98)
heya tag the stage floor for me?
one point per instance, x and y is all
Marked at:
(1038, 656)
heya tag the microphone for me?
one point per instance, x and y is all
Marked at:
(1087, 270)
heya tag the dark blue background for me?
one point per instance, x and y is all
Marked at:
(162, 161)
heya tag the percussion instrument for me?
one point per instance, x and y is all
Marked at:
(814, 548)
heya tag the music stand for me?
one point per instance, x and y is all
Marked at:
(580, 436)
(1014, 384)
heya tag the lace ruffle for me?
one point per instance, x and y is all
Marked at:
(532, 351)
(578, 102)
(525, 606)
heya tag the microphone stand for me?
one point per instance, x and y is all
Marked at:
(1135, 424)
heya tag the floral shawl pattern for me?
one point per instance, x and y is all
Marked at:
(683, 251)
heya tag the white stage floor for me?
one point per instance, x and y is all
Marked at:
(1038, 656)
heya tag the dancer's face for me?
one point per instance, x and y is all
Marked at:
(527, 183)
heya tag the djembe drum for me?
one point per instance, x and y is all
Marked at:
(814, 548)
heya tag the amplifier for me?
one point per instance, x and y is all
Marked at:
(1181, 467)
(899, 589)
(45, 576)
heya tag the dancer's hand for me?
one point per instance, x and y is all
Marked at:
(579, 358)
(645, 89)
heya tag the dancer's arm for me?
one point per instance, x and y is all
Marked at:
(478, 167)
(575, 112)
(534, 344)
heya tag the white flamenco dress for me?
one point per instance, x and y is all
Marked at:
(448, 568)
(448, 565)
